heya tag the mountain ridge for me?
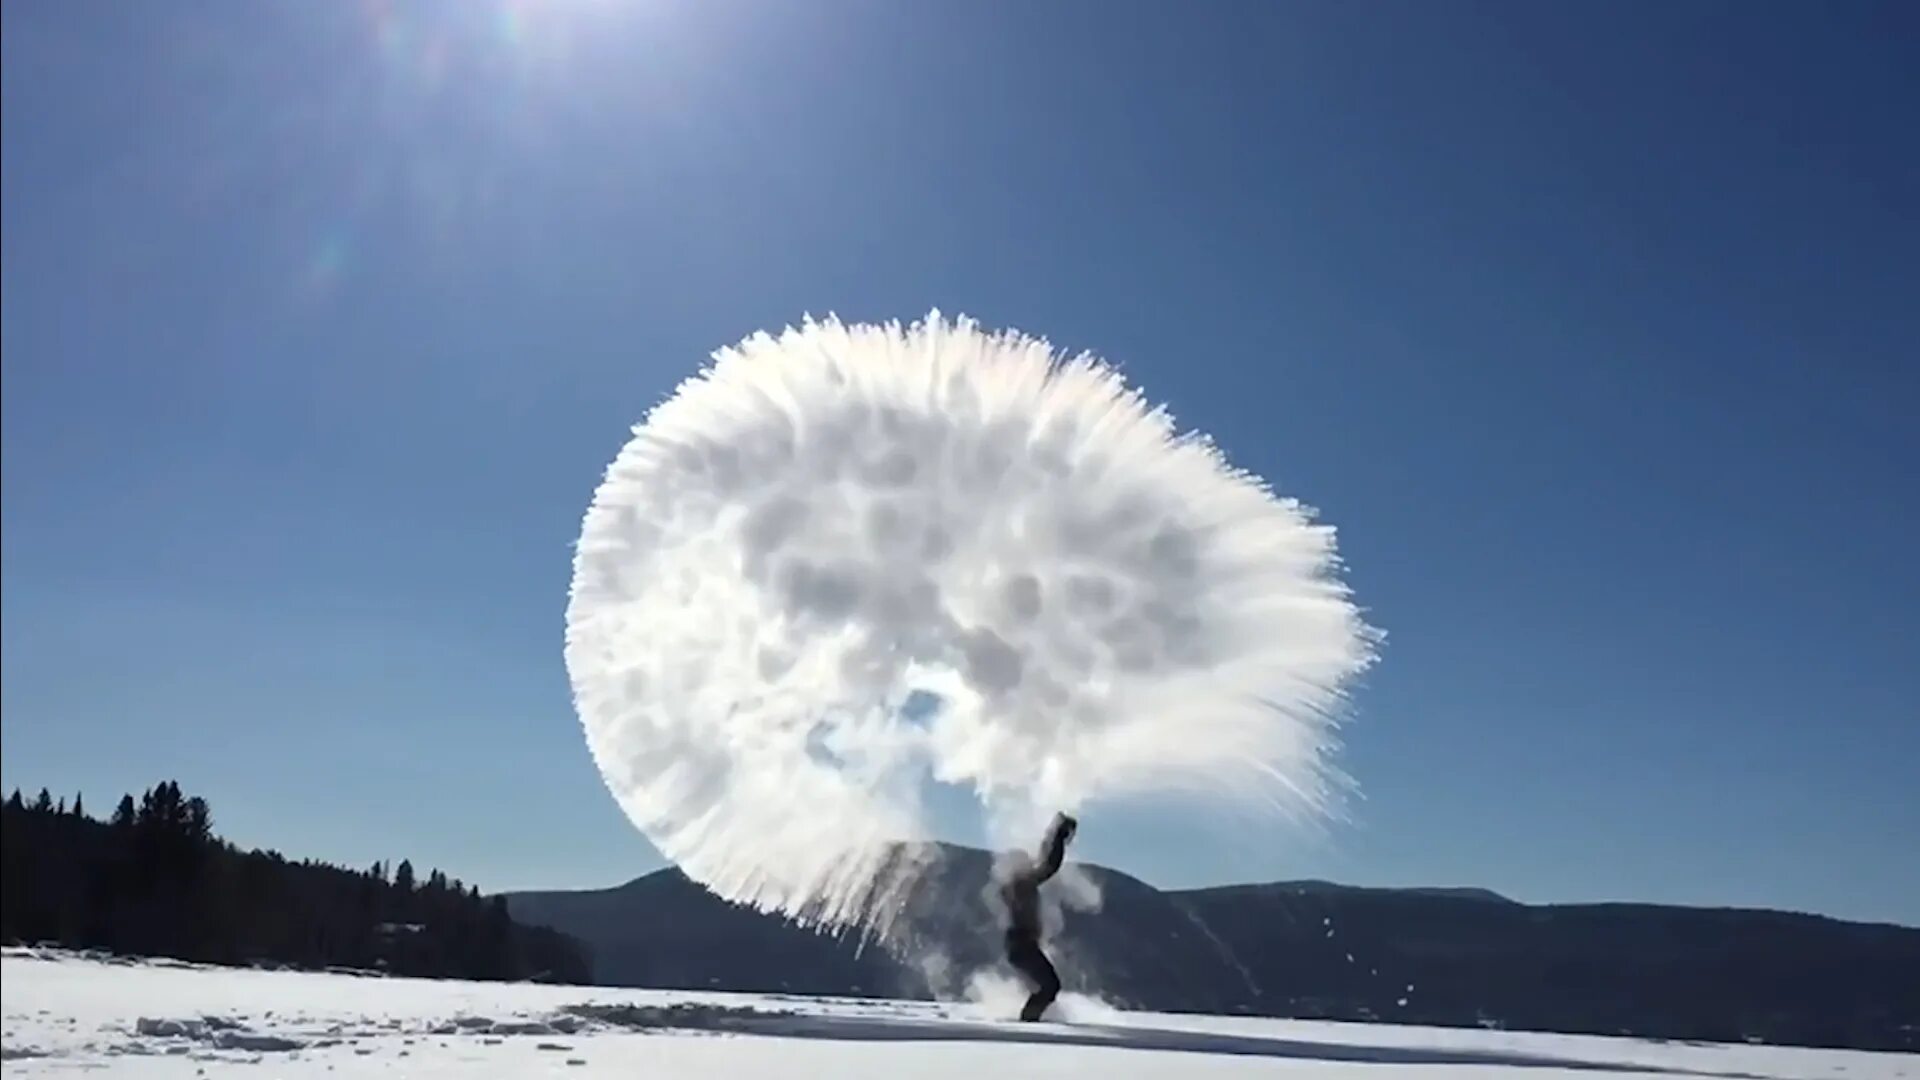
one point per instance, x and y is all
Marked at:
(1433, 955)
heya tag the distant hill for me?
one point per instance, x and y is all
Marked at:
(1457, 957)
(1314, 886)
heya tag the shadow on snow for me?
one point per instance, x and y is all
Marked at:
(692, 1016)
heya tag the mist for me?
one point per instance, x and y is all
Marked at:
(846, 565)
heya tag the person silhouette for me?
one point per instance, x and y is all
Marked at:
(1020, 890)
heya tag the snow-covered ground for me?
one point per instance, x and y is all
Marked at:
(65, 1013)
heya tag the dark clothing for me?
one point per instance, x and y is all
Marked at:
(1021, 892)
(1023, 952)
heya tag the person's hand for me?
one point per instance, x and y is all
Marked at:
(1066, 825)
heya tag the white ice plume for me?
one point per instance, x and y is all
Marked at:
(1082, 602)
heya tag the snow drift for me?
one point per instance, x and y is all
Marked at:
(846, 561)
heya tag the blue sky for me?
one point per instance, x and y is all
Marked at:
(1592, 326)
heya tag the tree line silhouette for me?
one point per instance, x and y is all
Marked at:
(154, 880)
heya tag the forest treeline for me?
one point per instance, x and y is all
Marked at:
(153, 879)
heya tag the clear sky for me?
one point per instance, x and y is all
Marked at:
(1593, 327)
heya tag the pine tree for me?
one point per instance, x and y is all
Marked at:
(159, 882)
(61, 806)
(197, 819)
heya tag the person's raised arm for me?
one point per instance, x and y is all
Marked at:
(1058, 836)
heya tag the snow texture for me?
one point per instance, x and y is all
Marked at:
(847, 563)
(67, 1015)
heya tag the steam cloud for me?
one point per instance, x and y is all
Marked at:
(843, 561)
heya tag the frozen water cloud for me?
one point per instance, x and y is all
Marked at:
(845, 561)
